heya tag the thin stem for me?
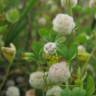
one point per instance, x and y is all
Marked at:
(91, 55)
(5, 78)
(85, 65)
(29, 42)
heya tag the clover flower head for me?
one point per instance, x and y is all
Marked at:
(36, 80)
(13, 91)
(59, 73)
(63, 23)
(50, 48)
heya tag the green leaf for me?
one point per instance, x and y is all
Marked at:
(66, 92)
(78, 9)
(82, 38)
(78, 92)
(3, 28)
(15, 31)
(63, 51)
(47, 34)
(72, 51)
(37, 48)
(68, 52)
(90, 86)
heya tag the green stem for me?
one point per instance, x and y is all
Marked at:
(86, 64)
(6, 76)
(12, 34)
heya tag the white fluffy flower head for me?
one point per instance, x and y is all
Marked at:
(36, 80)
(12, 91)
(54, 91)
(50, 48)
(72, 2)
(59, 73)
(63, 23)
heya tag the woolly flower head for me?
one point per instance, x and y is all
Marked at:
(92, 3)
(12, 91)
(72, 2)
(54, 91)
(36, 80)
(50, 48)
(63, 23)
(59, 73)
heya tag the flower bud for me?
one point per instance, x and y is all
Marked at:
(83, 55)
(50, 48)
(27, 56)
(13, 15)
(9, 52)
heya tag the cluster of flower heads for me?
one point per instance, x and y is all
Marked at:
(59, 72)
(62, 24)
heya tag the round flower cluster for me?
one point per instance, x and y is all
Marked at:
(12, 91)
(54, 91)
(59, 73)
(63, 23)
(50, 48)
(36, 80)
(71, 2)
